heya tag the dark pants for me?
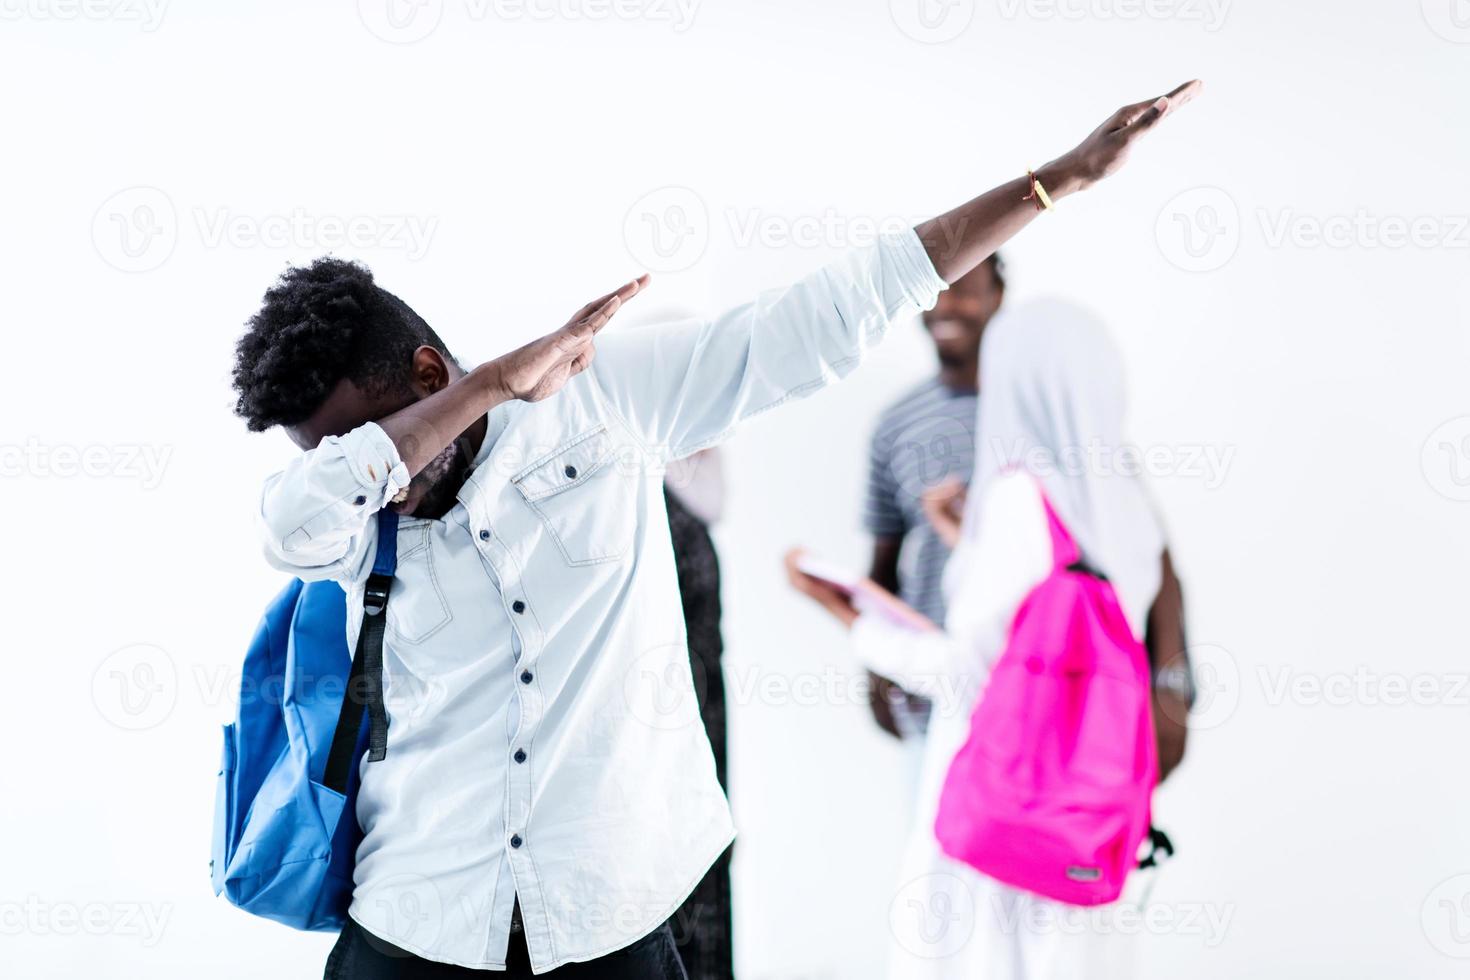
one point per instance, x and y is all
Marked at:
(359, 955)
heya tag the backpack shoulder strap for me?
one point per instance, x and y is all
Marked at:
(1064, 550)
(364, 692)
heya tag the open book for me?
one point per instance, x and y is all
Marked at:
(868, 597)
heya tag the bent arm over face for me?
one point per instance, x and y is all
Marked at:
(316, 514)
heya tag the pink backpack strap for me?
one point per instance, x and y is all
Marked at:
(1064, 550)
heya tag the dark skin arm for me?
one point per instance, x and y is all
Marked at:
(1164, 637)
(882, 692)
(956, 242)
(959, 240)
(884, 567)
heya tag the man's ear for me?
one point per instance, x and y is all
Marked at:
(430, 372)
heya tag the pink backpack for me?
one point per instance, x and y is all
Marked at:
(1051, 790)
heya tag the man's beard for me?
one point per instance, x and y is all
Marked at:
(440, 481)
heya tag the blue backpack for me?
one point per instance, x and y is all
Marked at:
(290, 767)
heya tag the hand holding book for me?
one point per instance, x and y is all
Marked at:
(847, 595)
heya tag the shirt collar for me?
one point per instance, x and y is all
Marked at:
(496, 421)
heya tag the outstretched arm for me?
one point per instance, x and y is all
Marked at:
(687, 386)
(959, 240)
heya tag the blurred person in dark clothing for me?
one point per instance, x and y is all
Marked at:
(694, 496)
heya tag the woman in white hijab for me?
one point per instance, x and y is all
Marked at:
(1050, 417)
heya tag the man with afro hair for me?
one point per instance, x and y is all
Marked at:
(548, 797)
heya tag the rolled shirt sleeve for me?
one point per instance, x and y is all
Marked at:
(686, 386)
(316, 514)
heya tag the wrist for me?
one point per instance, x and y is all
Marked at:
(488, 381)
(1060, 177)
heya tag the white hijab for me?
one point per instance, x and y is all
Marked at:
(1052, 401)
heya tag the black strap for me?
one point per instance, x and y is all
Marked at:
(364, 690)
(1081, 566)
(1158, 842)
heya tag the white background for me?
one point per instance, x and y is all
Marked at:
(1327, 825)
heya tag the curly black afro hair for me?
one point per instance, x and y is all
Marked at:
(317, 325)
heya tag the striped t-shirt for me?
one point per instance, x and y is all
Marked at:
(922, 440)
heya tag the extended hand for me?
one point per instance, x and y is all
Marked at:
(539, 369)
(829, 598)
(963, 237)
(944, 506)
(1107, 148)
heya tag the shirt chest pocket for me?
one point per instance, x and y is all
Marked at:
(417, 608)
(583, 497)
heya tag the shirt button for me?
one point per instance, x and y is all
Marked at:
(360, 501)
(515, 840)
(484, 535)
(520, 755)
(571, 472)
(525, 677)
(518, 606)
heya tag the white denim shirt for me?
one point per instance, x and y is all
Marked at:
(544, 734)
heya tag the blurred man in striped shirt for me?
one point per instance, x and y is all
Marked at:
(924, 439)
